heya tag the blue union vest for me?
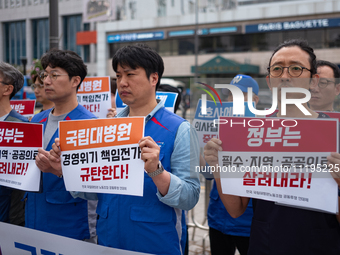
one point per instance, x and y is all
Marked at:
(145, 224)
(54, 210)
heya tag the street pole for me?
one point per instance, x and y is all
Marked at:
(196, 40)
(54, 24)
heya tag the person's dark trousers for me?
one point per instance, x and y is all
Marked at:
(222, 244)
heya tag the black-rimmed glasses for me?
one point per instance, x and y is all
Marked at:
(293, 70)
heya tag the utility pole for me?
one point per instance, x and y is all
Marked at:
(196, 40)
(54, 24)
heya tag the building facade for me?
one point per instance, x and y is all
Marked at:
(240, 32)
(245, 32)
(24, 30)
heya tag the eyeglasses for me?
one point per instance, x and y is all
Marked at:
(4, 83)
(40, 86)
(52, 75)
(293, 70)
(323, 83)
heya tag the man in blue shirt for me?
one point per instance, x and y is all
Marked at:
(54, 210)
(278, 229)
(154, 223)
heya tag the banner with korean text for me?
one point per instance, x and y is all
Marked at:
(17, 240)
(206, 124)
(94, 94)
(25, 107)
(19, 143)
(281, 160)
(103, 155)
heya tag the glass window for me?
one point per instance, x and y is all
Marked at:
(86, 26)
(165, 47)
(0, 4)
(161, 8)
(273, 40)
(332, 37)
(206, 45)
(71, 25)
(86, 53)
(152, 44)
(14, 42)
(185, 46)
(40, 28)
(241, 43)
(316, 38)
(300, 34)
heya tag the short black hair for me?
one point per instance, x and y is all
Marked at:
(67, 60)
(335, 68)
(36, 77)
(169, 88)
(139, 55)
(303, 45)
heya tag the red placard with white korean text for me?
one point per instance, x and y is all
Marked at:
(19, 143)
(103, 155)
(24, 107)
(281, 160)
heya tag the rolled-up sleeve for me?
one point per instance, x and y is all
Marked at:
(184, 186)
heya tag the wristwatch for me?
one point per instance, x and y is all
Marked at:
(159, 170)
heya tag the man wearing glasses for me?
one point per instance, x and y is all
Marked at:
(54, 210)
(278, 229)
(11, 81)
(39, 90)
(328, 88)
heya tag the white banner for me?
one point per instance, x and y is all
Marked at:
(263, 158)
(17, 240)
(94, 94)
(103, 155)
(19, 143)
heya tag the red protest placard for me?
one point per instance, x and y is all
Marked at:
(24, 107)
(18, 134)
(278, 135)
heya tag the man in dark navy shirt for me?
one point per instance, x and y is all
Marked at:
(278, 229)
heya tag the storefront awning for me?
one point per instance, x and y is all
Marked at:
(222, 65)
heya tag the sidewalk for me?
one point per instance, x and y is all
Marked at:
(197, 235)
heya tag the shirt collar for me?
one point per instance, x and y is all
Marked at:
(125, 112)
